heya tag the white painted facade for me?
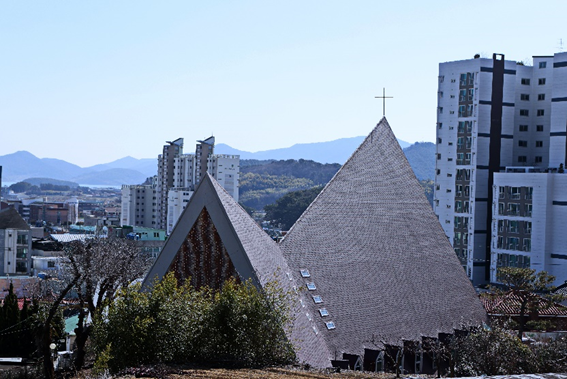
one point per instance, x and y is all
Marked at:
(139, 205)
(533, 134)
(226, 170)
(543, 200)
(15, 250)
(177, 202)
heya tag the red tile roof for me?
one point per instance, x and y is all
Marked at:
(510, 304)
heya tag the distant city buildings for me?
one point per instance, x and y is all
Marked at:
(160, 203)
(500, 187)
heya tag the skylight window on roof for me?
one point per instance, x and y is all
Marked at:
(309, 317)
(311, 286)
(323, 312)
(317, 299)
(305, 273)
(315, 330)
(289, 276)
(330, 325)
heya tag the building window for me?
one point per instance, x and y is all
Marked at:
(527, 244)
(525, 81)
(538, 159)
(541, 81)
(458, 206)
(542, 64)
(523, 128)
(522, 159)
(524, 112)
(529, 194)
(524, 96)
(440, 109)
(538, 143)
(528, 210)
(540, 112)
(438, 156)
(439, 125)
(522, 143)
(513, 243)
(541, 96)
(513, 226)
(22, 239)
(539, 128)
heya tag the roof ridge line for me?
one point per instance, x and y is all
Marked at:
(382, 120)
(237, 203)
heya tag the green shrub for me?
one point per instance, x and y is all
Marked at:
(240, 324)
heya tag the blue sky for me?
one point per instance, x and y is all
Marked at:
(91, 82)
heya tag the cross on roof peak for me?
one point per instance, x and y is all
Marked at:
(384, 97)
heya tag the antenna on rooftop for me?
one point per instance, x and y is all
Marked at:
(560, 44)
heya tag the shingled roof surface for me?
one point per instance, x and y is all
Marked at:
(11, 219)
(377, 255)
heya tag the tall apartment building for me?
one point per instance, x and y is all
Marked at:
(501, 146)
(160, 204)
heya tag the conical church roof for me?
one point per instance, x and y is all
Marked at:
(368, 259)
(377, 255)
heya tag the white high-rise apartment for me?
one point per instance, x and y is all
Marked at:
(162, 203)
(500, 190)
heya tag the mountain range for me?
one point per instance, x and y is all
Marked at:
(23, 165)
(337, 151)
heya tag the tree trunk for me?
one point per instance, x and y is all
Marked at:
(522, 320)
(80, 341)
(48, 370)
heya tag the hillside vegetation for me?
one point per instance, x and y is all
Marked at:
(421, 157)
(263, 184)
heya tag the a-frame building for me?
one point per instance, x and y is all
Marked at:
(376, 268)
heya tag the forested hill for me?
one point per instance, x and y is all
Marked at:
(316, 172)
(262, 184)
(421, 157)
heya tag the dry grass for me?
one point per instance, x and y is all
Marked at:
(270, 373)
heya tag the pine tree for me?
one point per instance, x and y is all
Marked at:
(11, 315)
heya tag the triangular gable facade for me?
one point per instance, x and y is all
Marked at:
(375, 265)
(377, 257)
(215, 239)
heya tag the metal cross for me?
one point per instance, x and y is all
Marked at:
(383, 97)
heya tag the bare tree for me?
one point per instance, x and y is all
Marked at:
(91, 273)
(103, 265)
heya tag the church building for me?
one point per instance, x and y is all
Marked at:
(371, 266)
